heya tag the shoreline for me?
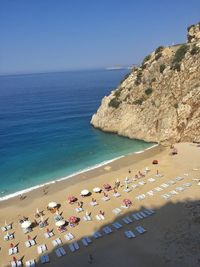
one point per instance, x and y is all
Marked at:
(70, 176)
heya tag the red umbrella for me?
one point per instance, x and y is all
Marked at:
(72, 199)
(73, 219)
(11, 245)
(14, 259)
(107, 187)
(127, 202)
(29, 238)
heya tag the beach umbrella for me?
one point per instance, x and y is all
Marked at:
(29, 237)
(84, 192)
(127, 202)
(73, 219)
(60, 223)
(107, 187)
(52, 205)
(11, 245)
(72, 199)
(96, 189)
(26, 224)
(14, 259)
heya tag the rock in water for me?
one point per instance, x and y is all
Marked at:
(159, 101)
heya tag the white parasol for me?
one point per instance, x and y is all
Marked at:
(52, 205)
(84, 192)
(96, 189)
(26, 224)
(60, 223)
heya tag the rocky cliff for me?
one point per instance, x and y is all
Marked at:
(159, 101)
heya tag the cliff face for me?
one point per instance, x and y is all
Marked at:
(160, 100)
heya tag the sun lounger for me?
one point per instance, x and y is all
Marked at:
(93, 203)
(139, 215)
(140, 197)
(170, 182)
(158, 189)
(58, 253)
(76, 245)
(30, 263)
(44, 258)
(117, 225)
(180, 188)
(116, 211)
(42, 248)
(179, 178)
(71, 247)
(129, 234)
(116, 194)
(87, 218)
(56, 242)
(28, 244)
(97, 234)
(107, 230)
(78, 209)
(12, 251)
(127, 190)
(84, 241)
(134, 186)
(141, 183)
(62, 250)
(140, 229)
(135, 216)
(143, 214)
(125, 220)
(105, 198)
(149, 211)
(69, 236)
(16, 263)
(187, 184)
(124, 206)
(173, 192)
(150, 193)
(166, 196)
(164, 185)
(151, 180)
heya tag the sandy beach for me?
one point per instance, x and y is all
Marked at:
(169, 239)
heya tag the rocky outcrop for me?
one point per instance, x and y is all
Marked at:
(160, 100)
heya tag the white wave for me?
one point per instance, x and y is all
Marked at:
(24, 191)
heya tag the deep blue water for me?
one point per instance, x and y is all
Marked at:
(45, 130)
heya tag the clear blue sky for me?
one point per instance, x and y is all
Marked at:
(45, 35)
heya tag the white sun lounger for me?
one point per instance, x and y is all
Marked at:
(93, 203)
(12, 251)
(139, 215)
(158, 189)
(125, 220)
(127, 190)
(107, 230)
(116, 194)
(170, 182)
(135, 216)
(56, 242)
(187, 184)
(134, 186)
(141, 183)
(129, 234)
(30, 263)
(150, 193)
(48, 234)
(76, 245)
(87, 218)
(58, 253)
(164, 185)
(71, 247)
(140, 229)
(78, 209)
(180, 188)
(151, 180)
(69, 236)
(17, 263)
(97, 235)
(149, 212)
(144, 215)
(116, 211)
(124, 206)
(105, 198)
(173, 192)
(84, 241)
(140, 197)
(179, 178)
(117, 225)
(42, 248)
(44, 258)
(166, 196)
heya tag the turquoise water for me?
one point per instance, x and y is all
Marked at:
(45, 130)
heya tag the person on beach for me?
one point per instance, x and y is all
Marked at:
(90, 258)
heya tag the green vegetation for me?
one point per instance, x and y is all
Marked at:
(159, 49)
(162, 68)
(176, 105)
(139, 78)
(114, 103)
(176, 66)
(153, 80)
(146, 59)
(195, 50)
(158, 55)
(148, 91)
(138, 101)
(180, 54)
(117, 93)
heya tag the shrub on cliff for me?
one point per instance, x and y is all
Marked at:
(159, 49)
(114, 103)
(138, 101)
(146, 59)
(138, 78)
(158, 55)
(176, 66)
(180, 54)
(195, 50)
(162, 68)
(148, 91)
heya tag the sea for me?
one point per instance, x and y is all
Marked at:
(45, 130)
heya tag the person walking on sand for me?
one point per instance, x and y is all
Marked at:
(90, 259)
